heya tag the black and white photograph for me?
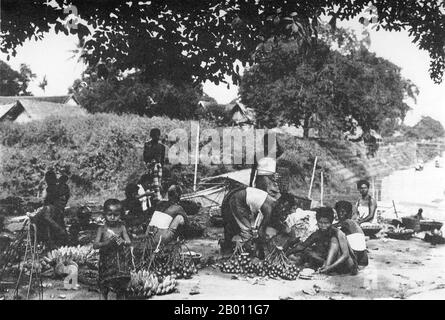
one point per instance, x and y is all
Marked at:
(222, 150)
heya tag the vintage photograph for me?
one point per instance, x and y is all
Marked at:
(224, 150)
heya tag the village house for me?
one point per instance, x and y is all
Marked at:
(23, 109)
(239, 114)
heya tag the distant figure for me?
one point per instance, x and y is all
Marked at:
(154, 158)
(153, 149)
(419, 214)
(366, 205)
(419, 166)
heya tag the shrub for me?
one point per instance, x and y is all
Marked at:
(100, 153)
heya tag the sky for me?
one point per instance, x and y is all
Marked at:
(50, 57)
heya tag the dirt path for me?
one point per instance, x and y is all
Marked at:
(398, 270)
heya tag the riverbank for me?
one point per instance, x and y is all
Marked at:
(411, 190)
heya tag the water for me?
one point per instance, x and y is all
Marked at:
(412, 190)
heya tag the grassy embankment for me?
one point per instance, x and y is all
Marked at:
(101, 153)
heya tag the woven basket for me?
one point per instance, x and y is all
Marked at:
(430, 225)
(400, 236)
(371, 230)
(282, 177)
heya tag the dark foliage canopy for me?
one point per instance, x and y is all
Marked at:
(202, 39)
(15, 83)
(321, 88)
(427, 128)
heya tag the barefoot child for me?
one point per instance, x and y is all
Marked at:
(327, 249)
(111, 238)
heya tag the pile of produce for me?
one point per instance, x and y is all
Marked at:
(400, 233)
(240, 262)
(278, 265)
(146, 284)
(81, 255)
(275, 265)
(172, 262)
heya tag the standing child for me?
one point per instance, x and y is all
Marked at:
(111, 239)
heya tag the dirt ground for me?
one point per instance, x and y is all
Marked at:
(398, 269)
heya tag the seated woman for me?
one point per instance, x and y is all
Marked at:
(352, 230)
(168, 217)
(327, 249)
(50, 218)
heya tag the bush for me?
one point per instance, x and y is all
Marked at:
(100, 153)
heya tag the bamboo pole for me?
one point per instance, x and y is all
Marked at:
(395, 210)
(196, 159)
(312, 178)
(322, 188)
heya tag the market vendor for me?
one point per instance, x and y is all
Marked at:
(327, 249)
(352, 230)
(168, 217)
(366, 205)
(246, 213)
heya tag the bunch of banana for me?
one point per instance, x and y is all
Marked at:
(65, 255)
(166, 286)
(143, 283)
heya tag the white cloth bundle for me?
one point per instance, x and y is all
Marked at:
(160, 220)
